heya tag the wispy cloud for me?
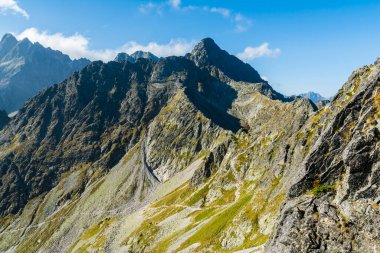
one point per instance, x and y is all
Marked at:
(241, 22)
(146, 8)
(251, 53)
(222, 11)
(175, 3)
(11, 5)
(77, 46)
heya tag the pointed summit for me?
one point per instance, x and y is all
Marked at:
(146, 55)
(207, 45)
(7, 42)
(207, 54)
(121, 57)
(27, 42)
(26, 68)
(205, 51)
(8, 38)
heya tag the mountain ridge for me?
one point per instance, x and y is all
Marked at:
(185, 154)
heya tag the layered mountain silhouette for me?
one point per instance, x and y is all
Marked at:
(190, 154)
(26, 68)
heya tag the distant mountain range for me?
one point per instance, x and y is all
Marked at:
(26, 68)
(136, 55)
(314, 96)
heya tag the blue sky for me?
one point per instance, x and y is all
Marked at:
(297, 45)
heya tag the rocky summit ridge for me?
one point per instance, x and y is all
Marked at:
(190, 154)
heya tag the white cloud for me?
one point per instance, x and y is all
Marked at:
(77, 46)
(222, 11)
(175, 3)
(174, 47)
(146, 8)
(11, 5)
(251, 53)
(242, 23)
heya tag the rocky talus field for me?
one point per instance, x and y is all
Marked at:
(190, 154)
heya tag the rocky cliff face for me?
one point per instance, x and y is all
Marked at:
(189, 154)
(333, 205)
(27, 68)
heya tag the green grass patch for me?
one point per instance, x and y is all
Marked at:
(145, 235)
(198, 195)
(255, 240)
(210, 232)
(203, 214)
(173, 197)
(96, 229)
(227, 198)
(322, 188)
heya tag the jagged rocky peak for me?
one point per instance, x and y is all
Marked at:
(7, 42)
(142, 54)
(121, 57)
(207, 54)
(8, 38)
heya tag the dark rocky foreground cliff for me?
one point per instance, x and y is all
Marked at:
(26, 68)
(190, 154)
